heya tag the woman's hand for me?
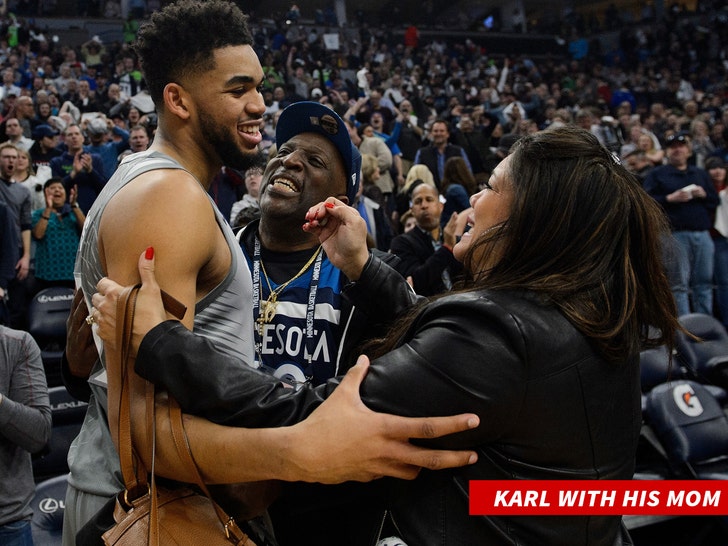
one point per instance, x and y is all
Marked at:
(73, 195)
(81, 351)
(149, 307)
(342, 233)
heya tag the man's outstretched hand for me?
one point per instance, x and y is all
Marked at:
(344, 440)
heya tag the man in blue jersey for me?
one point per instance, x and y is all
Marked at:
(310, 313)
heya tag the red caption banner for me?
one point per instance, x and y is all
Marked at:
(598, 497)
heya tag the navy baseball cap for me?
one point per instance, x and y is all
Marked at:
(313, 117)
(44, 130)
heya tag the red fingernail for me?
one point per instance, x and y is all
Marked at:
(149, 253)
(329, 205)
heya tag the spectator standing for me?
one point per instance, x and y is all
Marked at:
(133, 117)
(410, 136)
(458, 184)
(115, 104)
(32, 179)
(14, 132)
(716, 168)
(378, 126)
(85, 100)
(25, 114)
(57, 233)
(395, 92)
(42, 115)
(99, 131)
(25, 427)
(297, 76)
(17, 198)
(93, 51)
(63, 80)
(427, 261)
(138, 141)
(372, 145)
(9, 245)
(378, 225)
(416, 175)
(79, 168)
(648, 143)
(392, 142)
(374, 103)
(127, 75)
(45, 146)
(439, 150)
(700, 142)
(8, 86)
(689, 199)
(249, 205)
(475, 140)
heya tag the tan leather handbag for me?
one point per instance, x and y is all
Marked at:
(146, 513)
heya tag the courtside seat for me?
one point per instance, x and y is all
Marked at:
(692, 427)
(68, 415)
(707, 357)
(47, 316)
(48, 506)
(656, 367)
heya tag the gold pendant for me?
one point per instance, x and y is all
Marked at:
(268, 310)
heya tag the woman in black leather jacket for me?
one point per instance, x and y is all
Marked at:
(541, 341)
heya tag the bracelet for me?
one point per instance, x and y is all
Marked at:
(45, 217)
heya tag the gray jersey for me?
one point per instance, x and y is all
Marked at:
(222, 316)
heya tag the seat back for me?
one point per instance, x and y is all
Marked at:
(67, 414)
(47, 316)
(656, 368)
(48, 507)
(712, 343)
(689, 422)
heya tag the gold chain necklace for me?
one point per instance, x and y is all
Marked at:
(268, 307)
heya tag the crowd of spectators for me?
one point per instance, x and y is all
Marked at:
(635, 83)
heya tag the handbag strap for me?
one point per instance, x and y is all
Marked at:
(184, 452)
(128, 386)
(132, 468)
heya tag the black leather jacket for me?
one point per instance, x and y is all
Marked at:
(550, 408)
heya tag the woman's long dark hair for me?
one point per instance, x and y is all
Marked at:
(583, 234)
